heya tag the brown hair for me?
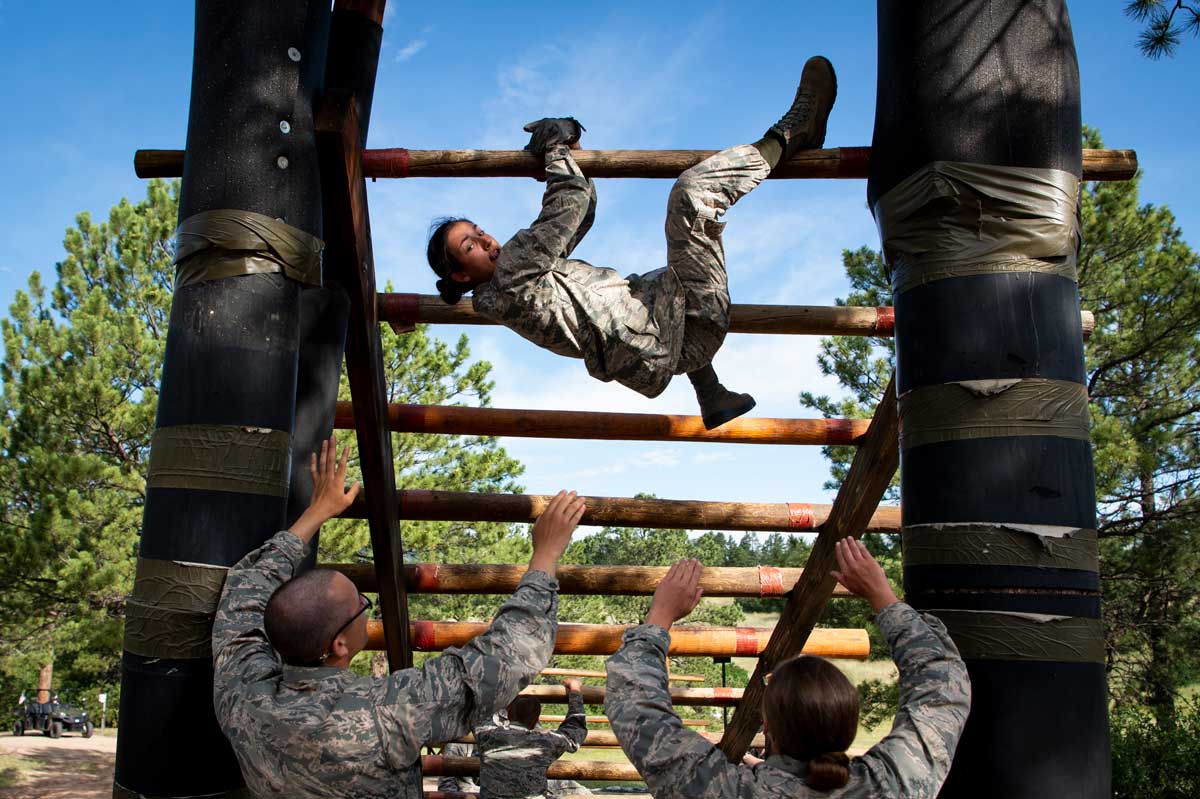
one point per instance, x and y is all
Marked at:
(811, 711)
(443, 263)
(525, 710)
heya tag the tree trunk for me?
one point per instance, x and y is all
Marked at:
(46, 679)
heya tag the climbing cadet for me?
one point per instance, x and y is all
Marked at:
(810, 709)
(450, 783)
(514, 754)
(643, 329)
(300, 722)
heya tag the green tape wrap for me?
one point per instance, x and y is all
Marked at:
(996, 219)
(228, 243)
(992, 545)
(119, 791)
(991, 409)
(220, 458)
(988, 635)
(170, 612)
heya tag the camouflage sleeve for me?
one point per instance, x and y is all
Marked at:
(570, 734)
(443, 699)
(241, 651)
(568, 210)
(935, 696)
(675, 762)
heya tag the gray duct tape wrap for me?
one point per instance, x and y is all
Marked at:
(119, 791)
(993, 408)
(170, 612)
(228, 243)
(220, 458)
(993, 545)
(991, 219)
(987, 635)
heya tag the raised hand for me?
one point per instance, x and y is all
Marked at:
(677, 595)
(861, 574)
(552, 531)
(545, 133)
(573, 684)
(330, 496)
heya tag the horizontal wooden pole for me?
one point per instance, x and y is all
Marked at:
(609, 738)
(836, 162)
(604, 639)
(470, 795)
(502, 578)
(465, 421)
(600, 675)
(403, 311)
(594, 695)
(443, 766)
(551, 718)
(664, 514)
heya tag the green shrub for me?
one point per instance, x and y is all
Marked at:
(1153, 761)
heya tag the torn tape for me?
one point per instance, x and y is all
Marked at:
(993, 409)
(227, 243)
(995, 635)
(220, 458)
(1040, 530)
(996, 545)
(153, 631)
(170, 584)
(952, 219)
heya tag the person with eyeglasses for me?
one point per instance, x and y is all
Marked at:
(810, 709)
(301, 723)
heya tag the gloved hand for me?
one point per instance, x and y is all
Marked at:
(550, 131)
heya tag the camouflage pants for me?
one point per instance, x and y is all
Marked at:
(695, 253)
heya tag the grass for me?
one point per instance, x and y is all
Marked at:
(13, 769)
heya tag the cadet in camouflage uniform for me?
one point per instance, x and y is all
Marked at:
(448, 784)
(643, 329)
(301, 723)
(676, 763)
(514, 754)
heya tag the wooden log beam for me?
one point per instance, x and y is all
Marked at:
(462, 421)
(551, 718)
(667, 514)
(870, 473)
(502, 578)
(404, 311)
(442, 766)
(605, 639)
(348, 251)
(836, 162)
(609, 738)
(600, 675)
(594, 695)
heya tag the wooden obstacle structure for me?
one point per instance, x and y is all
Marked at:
(341, 209)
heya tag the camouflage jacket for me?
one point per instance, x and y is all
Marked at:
(514, 759)
(615, 324)
(911, 762)
(308, 732)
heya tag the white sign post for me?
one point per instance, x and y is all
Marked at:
(103, 708)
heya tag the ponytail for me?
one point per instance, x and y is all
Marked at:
(442, 263)
(828, 772)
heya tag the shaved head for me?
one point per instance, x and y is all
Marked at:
(524, 710)
(305, 613)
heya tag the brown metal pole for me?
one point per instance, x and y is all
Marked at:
(795, 517)
(462, 421)
(502, 578)
(604, 639)
(838, 162)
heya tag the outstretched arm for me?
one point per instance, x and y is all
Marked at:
(570, 734)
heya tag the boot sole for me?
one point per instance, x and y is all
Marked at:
(713, 421)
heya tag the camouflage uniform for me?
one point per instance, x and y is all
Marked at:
(448, 784)
(308, 732)
(513, 758)
(639, 330)
(911, 762)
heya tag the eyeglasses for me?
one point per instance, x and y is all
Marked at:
(767, 678)
(364, 604)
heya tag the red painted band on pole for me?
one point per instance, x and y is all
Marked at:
(840, 431)
(389, 163)
(402, 311)
(747, 642)
(854, 161)
(770, 581)
(724, 693)
(423, 636)
(800, 516)
(885, 320)
(425, 578)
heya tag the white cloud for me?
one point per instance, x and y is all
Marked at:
(411, 49)
(701, 458)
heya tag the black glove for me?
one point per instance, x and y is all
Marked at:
(546, 133)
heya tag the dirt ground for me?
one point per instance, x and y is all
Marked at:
(71, 767)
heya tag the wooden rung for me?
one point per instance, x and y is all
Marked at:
(552, 672)
(609, 738)
(464, 421)
(665, 514)
(397, 162)
(442, 766)
(502, 578)
(403, 311)
(551, 718)
(604, 639)
(594, 695)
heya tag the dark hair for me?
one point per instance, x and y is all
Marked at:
(811, 711)
(442, 262)
(297, 618)
(525, 710)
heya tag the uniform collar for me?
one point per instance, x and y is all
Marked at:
(307, 674)
(789, 764)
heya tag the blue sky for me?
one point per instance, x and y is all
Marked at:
(85, 84)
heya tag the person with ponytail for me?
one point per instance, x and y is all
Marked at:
(810, 709)
(640, 330)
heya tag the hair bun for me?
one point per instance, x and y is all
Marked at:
(828, 771)
(451, 291)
